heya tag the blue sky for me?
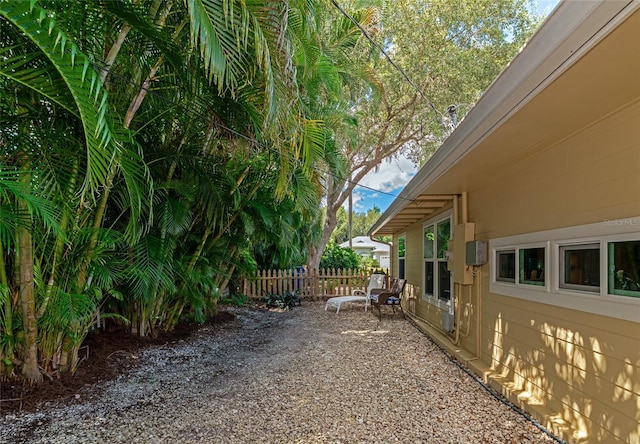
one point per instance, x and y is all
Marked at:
(391, 176)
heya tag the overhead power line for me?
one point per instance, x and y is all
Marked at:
(192, 111)
(389, 59)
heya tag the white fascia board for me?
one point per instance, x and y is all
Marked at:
(567, 34)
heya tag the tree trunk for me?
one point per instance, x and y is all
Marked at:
(7, 313)
(315, 254)
(28, 300)
(335, 198)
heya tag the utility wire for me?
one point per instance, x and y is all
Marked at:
(103, 67)
(389, 59)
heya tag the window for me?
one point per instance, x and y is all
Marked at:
(506, 266)
(402, 242)
(580, 267)
(531, 266)
(624, 268)
(593, 268)
(528, 261)
(437, 278)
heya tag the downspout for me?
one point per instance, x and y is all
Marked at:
(456, 286)
(455, 210)
(458, 293)
(478, 282)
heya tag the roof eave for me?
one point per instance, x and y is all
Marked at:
(571, 30)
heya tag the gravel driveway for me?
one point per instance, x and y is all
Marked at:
(301, 376)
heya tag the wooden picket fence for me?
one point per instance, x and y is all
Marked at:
(315, 284)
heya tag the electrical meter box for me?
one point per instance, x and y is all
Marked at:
(476, 253)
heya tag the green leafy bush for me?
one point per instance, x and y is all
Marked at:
(335, 257)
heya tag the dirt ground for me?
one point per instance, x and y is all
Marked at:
(110, 354)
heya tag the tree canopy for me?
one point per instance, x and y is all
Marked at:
(361, 222)
(425, 56)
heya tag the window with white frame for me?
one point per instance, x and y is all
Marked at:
(531, 263)
(593, 268)
(580, 267)
(623, 264)
(402, 245)
(435, 242)
(506, 265)
(521, 265)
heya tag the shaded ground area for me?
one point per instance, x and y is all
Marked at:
(105, 356)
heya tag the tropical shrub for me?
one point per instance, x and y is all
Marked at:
(337, 257)
(285, 301)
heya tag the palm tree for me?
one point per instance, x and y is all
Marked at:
(126, 177)
(39, 56)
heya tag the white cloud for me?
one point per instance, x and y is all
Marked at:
(357, 199)
(390, 175)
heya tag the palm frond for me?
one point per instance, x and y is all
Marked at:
(12, 190)
(150, 267)
(136, 197)
(80, 78)
(17, 65)
(65, 309)
(220, 30)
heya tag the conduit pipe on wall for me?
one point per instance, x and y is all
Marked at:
(459, 334)
(465, 213)
(456, 290)
(478, 273)
(464, 335)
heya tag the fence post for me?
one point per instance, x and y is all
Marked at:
(314, 283)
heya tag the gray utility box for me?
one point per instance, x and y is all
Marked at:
(447, 322)
(476, 253)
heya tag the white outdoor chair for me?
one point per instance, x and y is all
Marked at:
(375, 281)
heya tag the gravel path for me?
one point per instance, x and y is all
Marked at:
(303, 376)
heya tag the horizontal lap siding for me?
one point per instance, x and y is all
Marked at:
(560, 323)
(525, 345)
(585, 366)
(590, 178)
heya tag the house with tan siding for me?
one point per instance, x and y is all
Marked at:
(520, 237)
